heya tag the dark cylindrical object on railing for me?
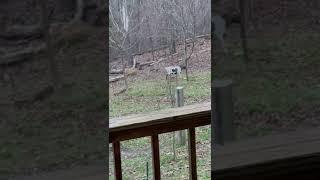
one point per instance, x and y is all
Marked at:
(179, 97)
(223, 112)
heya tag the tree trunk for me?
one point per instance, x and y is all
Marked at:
(124, 74)
(129, 53)
(64, 6)
(251, 9)
(79, 11)
(236, 5)
(138, 33)
(316, 4)
(152, 48)
(186, 58)
(151, 39)
(243, 27)
(173, 48)
(45, 24)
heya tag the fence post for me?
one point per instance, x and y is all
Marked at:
(223, 124)
(180, 135)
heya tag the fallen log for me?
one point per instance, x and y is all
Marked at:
(120, 92)
(204, 50)
(19, 57)
(145, 64)
(157, 62)
(14, 33)
(115, 79)
(118, 71)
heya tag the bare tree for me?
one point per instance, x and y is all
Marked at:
(157, 25)
(79, 11)
(45, 24)
(244, 24)
(120, 31)
(90, 11)
(184, 13)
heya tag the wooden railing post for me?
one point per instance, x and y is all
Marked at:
(155, 157)
(117, 160)
(223, 107)
(192, 154)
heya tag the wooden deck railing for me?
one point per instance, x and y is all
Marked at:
(175, 119)
(293, 155)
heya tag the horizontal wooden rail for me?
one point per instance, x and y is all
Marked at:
(153, 124)
(283, 155)
(174, 119)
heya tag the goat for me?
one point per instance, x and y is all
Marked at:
(173, 72)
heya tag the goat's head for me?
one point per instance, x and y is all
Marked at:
(173, 70)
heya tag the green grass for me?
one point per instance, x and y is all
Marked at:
(135, 165)
(147, 96)
(281, 77)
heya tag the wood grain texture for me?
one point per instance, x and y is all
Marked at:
(164, 116)
(168, 120)
(270, 156)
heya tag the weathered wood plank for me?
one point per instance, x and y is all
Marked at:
(160, 122)
(163, 116)
(158, 129)
(283, 152)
